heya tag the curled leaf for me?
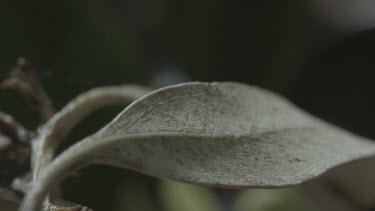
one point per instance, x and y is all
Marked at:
(215, 134)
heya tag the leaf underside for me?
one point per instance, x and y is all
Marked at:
(227, 135)
(215, 134)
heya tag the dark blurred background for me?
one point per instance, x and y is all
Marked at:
(319, 54)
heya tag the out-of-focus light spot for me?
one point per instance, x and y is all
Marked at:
(346, 15)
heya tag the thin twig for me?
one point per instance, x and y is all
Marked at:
(14, 146)
(12, 129)
(15, 139)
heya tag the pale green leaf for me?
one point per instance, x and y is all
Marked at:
(216, 134)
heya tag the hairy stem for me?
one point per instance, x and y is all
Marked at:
(75, 158)
(64, 121)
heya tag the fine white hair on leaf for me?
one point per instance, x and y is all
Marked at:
(225, 134)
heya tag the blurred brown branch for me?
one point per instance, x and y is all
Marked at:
(23, 80)
(14, 139)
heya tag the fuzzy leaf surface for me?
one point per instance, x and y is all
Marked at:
(215, 134)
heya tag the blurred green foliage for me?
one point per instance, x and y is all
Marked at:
(186, 197)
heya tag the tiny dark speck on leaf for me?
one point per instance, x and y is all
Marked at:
(297, 160)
